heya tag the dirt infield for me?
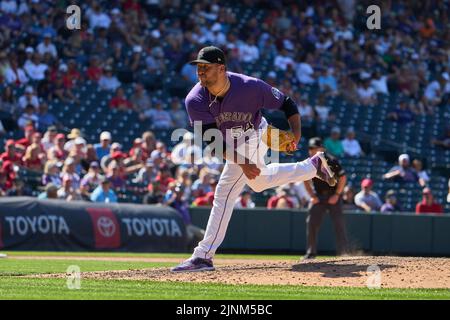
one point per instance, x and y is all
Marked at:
(395, 272)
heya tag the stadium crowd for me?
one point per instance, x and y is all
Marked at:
(322, 43)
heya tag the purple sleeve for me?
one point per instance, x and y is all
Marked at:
(272, 98)
(198, 111)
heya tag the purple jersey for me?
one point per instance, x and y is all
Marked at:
(240, 108)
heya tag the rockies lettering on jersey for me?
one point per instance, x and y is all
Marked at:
(240, 108)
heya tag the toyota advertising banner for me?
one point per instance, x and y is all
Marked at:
(55, 225)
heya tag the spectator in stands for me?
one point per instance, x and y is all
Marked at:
(180, 154)
(146, 174)
(244, 200)
(402, 114)
(48, 141)
(115, 176)
(158, 187)
(108, 81)
(444, 140)
(134, 162)
(28, 98)
(57, 152)
(402, 172)
(299, 195)
(327, 82)
(448, 195)
(305, 71)
(67, 191)
(71, 76)
(351, 146)
(155, 61)
(103, 147)
(333, 144)
(323, 111)
(51, 192)
(69, 173)
(434, 92)
(46, 118)
(94, 72)
(120, 101)
(28, 117)
(201, 186)
(8, 108)
(74, 133)
(116, 151)
(379, 83)
(391, 203)
(10, 153)
(179, 115)
(52, 173)
(19, 189)
(281, 200)
(422, 175)
(367, 199)
(98, 18)
(428, 205)
(204, 201)
(159, 118)
(189, 71)
(90, 156)
(35, 69)
(140, 99)
(47, 46)
(282, 60)
(348, 199)
(366, 94)
(91, 180)
(14, 74)
(60, 91)
(31, 160)
(23, 143)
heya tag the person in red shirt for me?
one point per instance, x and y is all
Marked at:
(72, 76)
(22, 144)
(162, 181)
(7, 170)
(10, 153)
(206, 200)
(427, 205)
(94, 72)
(57, 152)
(280, 200)
(32, 159)
(120, 102)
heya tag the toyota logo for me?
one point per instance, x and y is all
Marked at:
(106, 227)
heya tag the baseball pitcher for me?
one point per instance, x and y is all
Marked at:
(232, 103)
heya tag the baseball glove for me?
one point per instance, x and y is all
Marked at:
(279, 140)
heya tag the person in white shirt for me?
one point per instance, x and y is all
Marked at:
(98, 18)
(351, 146)
(305, 71)
(379, 83)
(249, 52)
(28, 98)
(14, 74)
(35, 69)
(366, 94)
(9, 6)
(282, 60)
(28, 116)
(159, 118)
(244, 201)
(424, 178)
(305, 110)
(47, 46)
(108, 81)
(180, 155)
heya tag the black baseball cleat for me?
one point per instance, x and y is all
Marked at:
(324, 172)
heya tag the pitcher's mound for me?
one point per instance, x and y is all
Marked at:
(385, 272)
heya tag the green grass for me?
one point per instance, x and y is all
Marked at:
(14, 287)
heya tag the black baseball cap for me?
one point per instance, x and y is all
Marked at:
(315, 142)
(210, 54)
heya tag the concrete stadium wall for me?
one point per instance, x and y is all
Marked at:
(285, 230)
